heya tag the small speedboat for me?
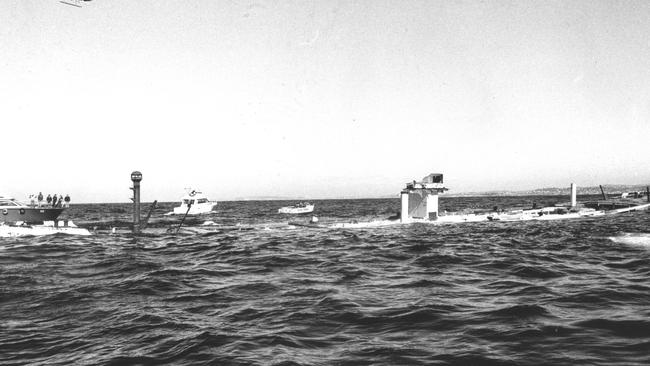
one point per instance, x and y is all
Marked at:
(197, 203)
(302, 207)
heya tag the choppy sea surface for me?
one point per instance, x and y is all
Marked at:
(251, 290)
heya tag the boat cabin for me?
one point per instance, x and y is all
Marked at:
(639, 194)
(192, 201)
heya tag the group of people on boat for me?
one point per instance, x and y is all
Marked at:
(51, 200)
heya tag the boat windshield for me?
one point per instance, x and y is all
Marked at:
(9, 202)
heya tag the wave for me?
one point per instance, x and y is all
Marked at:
(519, 311)
(628, 328)
(246, 288)
(528, 271)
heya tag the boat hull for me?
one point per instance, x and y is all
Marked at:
(30, 215)
(296, 210)
(312, 225)
(196, 209)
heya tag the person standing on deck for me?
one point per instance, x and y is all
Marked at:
(60, 200)
(32, 200)
(54, 199)
(40, 199)
(49, 200)
(67, 201)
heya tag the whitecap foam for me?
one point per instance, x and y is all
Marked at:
(638, 239)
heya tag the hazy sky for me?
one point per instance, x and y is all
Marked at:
(321, 99)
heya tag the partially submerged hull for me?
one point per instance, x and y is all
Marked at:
(615, 204)
(313, 225)
(547, 214)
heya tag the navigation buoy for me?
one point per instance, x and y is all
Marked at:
(136, 178)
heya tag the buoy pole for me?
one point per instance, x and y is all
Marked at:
(136, 177)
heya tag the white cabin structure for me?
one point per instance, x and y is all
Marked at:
(420, 199)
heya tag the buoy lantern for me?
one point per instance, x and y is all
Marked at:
(136, 176)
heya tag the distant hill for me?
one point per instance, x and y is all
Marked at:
(555, 191)
(268, 198)
(549, 191)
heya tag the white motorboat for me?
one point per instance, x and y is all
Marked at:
(197, 203)
(302, 207)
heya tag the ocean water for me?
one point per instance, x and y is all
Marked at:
(252, 290)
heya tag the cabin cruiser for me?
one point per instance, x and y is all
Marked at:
(197, 203)
(12, 211)
(19, 219)
(302, 207)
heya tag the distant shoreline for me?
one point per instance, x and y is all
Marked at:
(611, 189)
(554, 191)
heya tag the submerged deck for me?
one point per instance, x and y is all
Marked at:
(614, 204)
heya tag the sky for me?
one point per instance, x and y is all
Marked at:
(321, 99)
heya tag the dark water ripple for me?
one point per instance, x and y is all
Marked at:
(254, 291)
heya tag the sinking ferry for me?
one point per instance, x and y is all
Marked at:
(419, 204)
